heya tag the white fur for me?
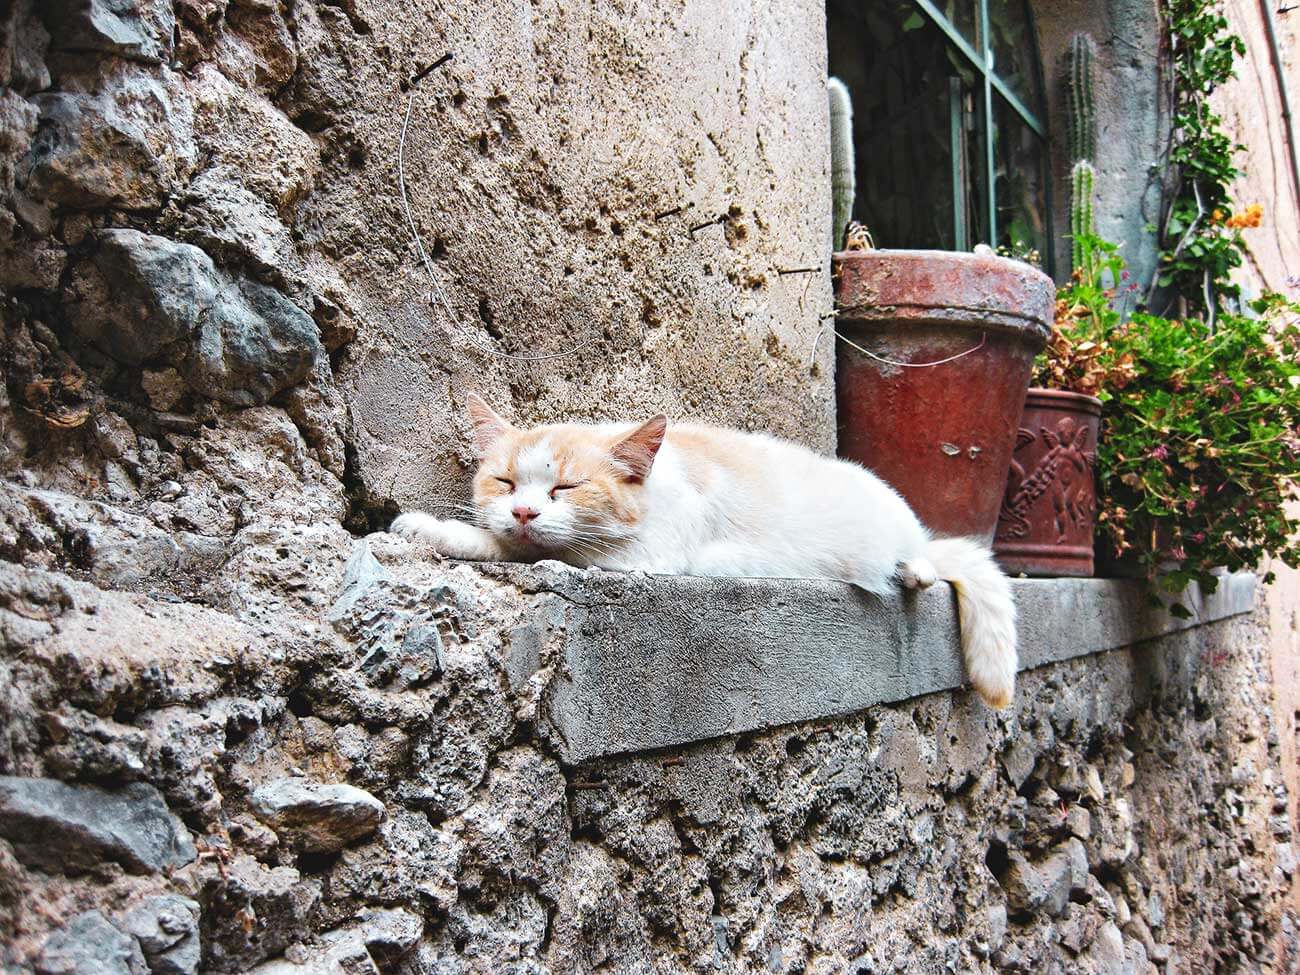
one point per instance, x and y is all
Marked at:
(752, 505)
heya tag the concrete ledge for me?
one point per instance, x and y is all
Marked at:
(651, 662)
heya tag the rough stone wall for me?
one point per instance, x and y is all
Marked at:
(325, 776)
(202, 209)
(218, 348)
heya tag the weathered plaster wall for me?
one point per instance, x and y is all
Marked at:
(1132, 124)
(1124, 816)
(631, 180)
(1251, 106)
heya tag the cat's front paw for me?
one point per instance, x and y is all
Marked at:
(420, 527)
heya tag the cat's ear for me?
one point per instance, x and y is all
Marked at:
(488, 427)
(636, 451)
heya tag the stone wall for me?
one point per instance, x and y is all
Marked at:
(221, 358)
(204, 209)
(327, 773)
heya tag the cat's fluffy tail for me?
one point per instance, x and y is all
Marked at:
(987, 612)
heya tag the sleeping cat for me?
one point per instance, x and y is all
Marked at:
(698, 500)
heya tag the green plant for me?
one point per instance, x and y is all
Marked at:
(843, 177)
(1083, 145)
(1200, 446)
(1083, 225)
(1200, 246)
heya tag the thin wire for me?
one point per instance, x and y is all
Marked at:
(912, 365)
(428, 265)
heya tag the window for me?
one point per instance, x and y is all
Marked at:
(949, 125)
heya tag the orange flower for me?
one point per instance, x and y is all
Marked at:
(1252, 216)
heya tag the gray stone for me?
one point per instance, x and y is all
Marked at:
(1035, 887)
(315, 816)
(1107, 954)
(90, 945)
(361, 572)
(1079, 822)
(1155, 910)
(250, 344)
(336, 953)
(140, 30)
(389, 934)
(1077, 857)
(167, 928)
(651, 662)
(280, 903)
(149, 299)
(150, 294)
(1286, 858)
(124, 145)
(73, 828)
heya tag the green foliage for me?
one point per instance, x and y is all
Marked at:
(1199, 247)
(1200, 445)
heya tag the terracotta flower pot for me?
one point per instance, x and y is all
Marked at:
(932, 403)
(1049, 511)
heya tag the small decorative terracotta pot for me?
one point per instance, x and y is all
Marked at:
(1046, 524)
(931, 374)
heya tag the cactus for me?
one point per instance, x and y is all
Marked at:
(842, 168)
(1082, 221)
(1080, 100)
(1083, 146)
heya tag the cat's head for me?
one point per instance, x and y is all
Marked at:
(569, 486)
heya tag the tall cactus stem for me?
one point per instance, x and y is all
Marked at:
(843, 178)
(1081, 105)
(1081, 98)
(1082, 219)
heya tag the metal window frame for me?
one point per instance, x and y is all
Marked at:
(982, 62)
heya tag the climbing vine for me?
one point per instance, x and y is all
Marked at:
(1201, 240)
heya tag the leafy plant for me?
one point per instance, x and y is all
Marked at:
(1199, 251)
(1200, 446)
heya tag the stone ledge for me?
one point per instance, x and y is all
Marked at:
(653, 662)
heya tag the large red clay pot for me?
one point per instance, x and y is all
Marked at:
(1049, 511)
(932, 405)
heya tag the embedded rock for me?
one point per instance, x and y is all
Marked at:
(1034, 887)
(317, 817)
(90, 945)
(255, 913)
(337, 953)
(140, 30)
(125, 145)
(389, 935)
(145, 298)
(252, 343)
(70, 828)
(167, 928)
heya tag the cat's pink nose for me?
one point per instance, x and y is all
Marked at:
(524, 514)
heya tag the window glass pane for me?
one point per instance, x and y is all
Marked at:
(1021, 181)
(1013, 46)
(897, 65)
(962, 14)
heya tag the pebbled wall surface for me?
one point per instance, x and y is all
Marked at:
(326, 772)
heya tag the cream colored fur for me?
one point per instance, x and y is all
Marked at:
(698, 500)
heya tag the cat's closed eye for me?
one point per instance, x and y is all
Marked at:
(507, 482)
(563, 487)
